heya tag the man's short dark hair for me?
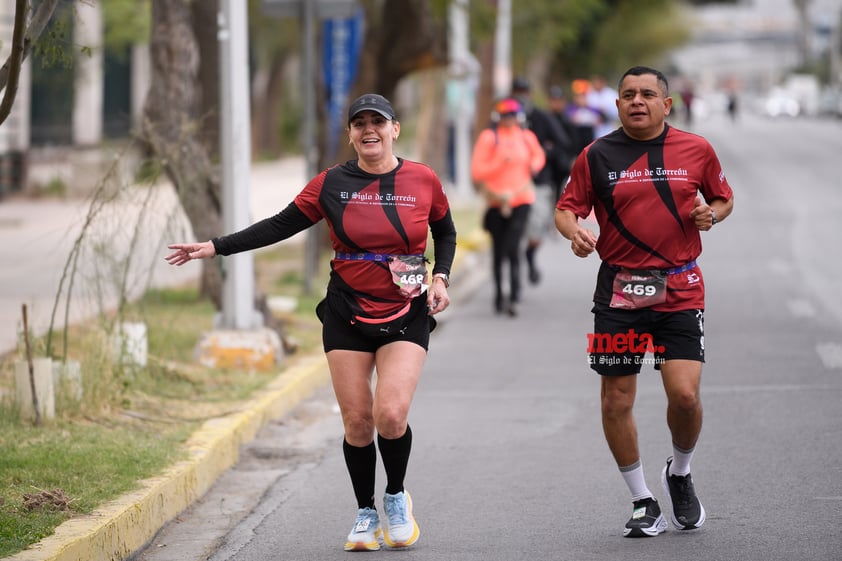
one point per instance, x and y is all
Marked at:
(640, 71)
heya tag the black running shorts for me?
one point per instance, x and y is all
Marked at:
(339, 333)
(624, 340)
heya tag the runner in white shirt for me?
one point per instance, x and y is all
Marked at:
(604, 98)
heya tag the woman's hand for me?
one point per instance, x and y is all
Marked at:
(437, 297)
(185, 252)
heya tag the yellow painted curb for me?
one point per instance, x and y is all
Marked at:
(124, 526)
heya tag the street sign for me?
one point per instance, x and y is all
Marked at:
(342, 40)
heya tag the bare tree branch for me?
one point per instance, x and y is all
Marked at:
(22, 42)
(15, 59)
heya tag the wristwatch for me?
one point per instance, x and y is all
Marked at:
(444, 277)
(712, 217)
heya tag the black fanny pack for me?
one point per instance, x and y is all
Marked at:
(388, 326)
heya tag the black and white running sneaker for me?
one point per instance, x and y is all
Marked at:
(646, 521)
(687, 511)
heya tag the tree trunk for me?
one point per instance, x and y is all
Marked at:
(205, 26)
(171, 127)
(401, 37)
(410, 39)
(266, 138)
(431, 132)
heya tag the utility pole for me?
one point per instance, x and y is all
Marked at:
(503, 49)
(311, 246)
(239, 339)
(235, 148)
(836, 55)
(463, 74)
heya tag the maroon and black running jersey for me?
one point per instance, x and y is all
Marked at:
(642, 193)
(384, 214)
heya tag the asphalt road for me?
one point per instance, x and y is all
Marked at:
(509, 460)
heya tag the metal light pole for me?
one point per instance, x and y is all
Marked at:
(311, 248)
(235, 147)
(461, 73)
(503, 49)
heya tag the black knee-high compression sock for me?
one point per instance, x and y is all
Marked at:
(395, 456)
(361, 463)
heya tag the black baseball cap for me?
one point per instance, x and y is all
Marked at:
(520, 84)
(371, 102)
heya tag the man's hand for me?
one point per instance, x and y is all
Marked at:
(702, 215)
(583, 242)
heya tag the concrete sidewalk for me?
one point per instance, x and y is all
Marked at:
(38, 236)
